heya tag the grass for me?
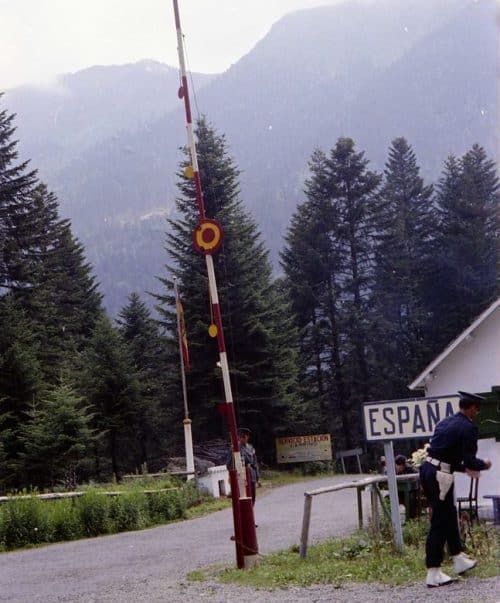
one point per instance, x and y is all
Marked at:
(207, 506)
(360, 558)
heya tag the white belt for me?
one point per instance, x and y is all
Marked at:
(446, 467)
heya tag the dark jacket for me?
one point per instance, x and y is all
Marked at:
(455, 442)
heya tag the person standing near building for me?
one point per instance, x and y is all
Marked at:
(248, 458)
(453, 447)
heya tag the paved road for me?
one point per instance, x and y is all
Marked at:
(95, 568)
(151, 565)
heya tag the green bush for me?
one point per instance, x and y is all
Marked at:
(129, 512)
(65, 519)
(415, 531)
(192, 495)
(165, 506)
(24, 522)
(317, 467)
(93, 510)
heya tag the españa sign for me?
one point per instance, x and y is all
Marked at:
(410, 418)
(298, 449)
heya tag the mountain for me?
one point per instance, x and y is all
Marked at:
(423, 69)
(59, 123)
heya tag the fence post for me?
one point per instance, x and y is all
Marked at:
(305, 525)
(360, 507)
(374, 503)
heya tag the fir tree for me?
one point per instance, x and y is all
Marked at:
(243, 271)
(148, 352)
(405, 229)
(20, 382)
(464, 280)
(16, 184)
(327, 262)
(109, 383)
(56, 437)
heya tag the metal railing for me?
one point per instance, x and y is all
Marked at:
(360, 485)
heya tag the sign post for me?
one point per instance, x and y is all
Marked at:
(389, 420)
(393, 495)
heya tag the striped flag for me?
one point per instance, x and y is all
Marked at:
(183, 342)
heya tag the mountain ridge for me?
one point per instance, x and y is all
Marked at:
(423, 70)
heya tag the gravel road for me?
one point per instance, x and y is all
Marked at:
(151, 565)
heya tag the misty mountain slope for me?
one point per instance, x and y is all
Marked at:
(58, 123)
(423, 69)
(442, 95)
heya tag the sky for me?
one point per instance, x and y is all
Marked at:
(41, 39)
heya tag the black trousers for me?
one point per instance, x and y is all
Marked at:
(444, 521)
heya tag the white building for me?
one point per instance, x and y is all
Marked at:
(470, 363)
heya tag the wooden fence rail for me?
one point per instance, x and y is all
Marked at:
(360, 485)
(60, 495)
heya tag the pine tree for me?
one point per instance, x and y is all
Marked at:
(16, 184)
(55, 438)
(148, 352)
(62, 299)
(20, 382)
(466, 247)
(327, 262)
(243, 271)
(405, 229)
(109, 383)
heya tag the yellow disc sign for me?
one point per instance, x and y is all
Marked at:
(207, 238)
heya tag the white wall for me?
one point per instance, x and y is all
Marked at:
(489, 482)
(473, 366)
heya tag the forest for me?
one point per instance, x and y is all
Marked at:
(379, 272)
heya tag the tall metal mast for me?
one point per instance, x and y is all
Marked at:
(207, 238)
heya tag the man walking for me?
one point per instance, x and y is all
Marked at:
(453, 448)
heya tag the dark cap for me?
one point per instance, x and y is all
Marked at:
(400, 459)
(244, 431)
(467, 399)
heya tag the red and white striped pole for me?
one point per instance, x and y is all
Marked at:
(207, 238)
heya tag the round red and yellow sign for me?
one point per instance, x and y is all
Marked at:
(207, 237)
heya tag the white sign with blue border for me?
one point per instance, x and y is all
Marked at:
(407, 418)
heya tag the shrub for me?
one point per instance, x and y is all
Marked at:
(192, 495)
(165, 506)
(317, 467)
(129, 512)
(65, 519)
(24, 522)
(93, 510)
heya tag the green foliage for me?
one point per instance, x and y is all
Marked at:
(28, 521)
(165, 506)
(255, 321)
(129, 512)
(317, 467)
(359, 558)
(110, 384)
(94, 511)
(56, 436)
(23, 523)
(405, 228)
(327, 263)
(464, 279)
(147, 350)
(65, 520)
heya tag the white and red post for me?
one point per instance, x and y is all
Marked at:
(244, 523)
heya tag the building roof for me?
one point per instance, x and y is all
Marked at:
(419, 382)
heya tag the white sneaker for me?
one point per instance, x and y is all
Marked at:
(435, 577)
(463, 563)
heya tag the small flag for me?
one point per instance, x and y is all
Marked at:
(182, 334)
